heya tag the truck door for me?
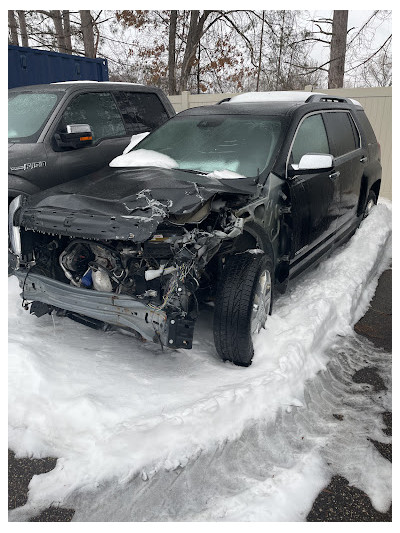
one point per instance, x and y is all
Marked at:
(99, 110)
(315, 195)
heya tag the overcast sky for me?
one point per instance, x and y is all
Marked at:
(357, 18)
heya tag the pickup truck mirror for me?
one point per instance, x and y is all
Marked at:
(313, 162)
(76, 136)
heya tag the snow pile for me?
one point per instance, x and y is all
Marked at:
(143, 158)
(110, 407)
(225, 175)
(135, 139)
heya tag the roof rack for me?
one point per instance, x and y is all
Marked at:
(287, 96)
(318, 97)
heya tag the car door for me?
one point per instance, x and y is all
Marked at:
(350, 158)
(315, 194)
(110, 137)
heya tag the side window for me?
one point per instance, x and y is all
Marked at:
(366, 126)
(310, 138)
(141, 111)
(343, 133)
(99, 110)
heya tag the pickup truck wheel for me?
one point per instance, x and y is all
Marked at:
(371, 202)
(243, 302)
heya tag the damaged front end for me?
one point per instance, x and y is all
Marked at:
(145, 267)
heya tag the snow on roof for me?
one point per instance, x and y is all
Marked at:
(272, 96)
(282, 96)
(92, 81)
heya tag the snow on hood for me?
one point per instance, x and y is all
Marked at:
(225, 175)
(110, 407)
(136, 139)
(143, 158)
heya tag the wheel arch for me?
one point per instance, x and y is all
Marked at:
(366, 185)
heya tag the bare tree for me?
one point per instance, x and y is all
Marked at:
(196, 27)
(87, 24)
(67, 31)
(378, 71)
(22, 28)
(171, 53)
(13, 28)
(338, 49)
(57, 17)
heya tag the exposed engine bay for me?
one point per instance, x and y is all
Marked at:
(143, 249)
(170, 272)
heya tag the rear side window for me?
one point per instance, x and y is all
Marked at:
(366, 126)
(141, 111)
(99, 110)
(342, 132)
(311, 138)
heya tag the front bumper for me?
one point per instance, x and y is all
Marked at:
(118, 310)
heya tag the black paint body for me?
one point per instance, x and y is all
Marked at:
(295, 217)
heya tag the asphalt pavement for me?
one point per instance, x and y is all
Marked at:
(340, 502)
(337, 502)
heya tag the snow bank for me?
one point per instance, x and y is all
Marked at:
(143, 158)
(110, 407)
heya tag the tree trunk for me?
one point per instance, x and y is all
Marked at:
(171, 53)
(260, 54)
(67, 32)
(88, 33)
(22, 28)
(58, 24)
(194, 35)
(12, 24)
(281, 39)
(338, 49)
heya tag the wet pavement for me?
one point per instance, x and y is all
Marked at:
(337, 502)
(340, 502)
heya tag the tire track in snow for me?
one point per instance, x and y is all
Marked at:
(253, 478)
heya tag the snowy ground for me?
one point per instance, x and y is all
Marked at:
(143, 434)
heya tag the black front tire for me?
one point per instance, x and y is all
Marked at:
(234, 306)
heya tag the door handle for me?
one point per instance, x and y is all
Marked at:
(364, 159)
(334, 175)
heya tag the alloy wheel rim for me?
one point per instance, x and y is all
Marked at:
(261, 302)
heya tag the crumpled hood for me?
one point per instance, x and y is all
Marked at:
(124, 204)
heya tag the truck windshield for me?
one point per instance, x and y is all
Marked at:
(241, 144)
(27, 114)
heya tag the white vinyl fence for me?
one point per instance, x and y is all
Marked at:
(377, 102)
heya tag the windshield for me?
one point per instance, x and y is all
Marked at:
(241, 144)
(27, 114)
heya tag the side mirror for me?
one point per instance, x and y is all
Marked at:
(314, 162)
(76, 136)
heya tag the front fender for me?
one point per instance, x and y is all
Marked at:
(18, 185)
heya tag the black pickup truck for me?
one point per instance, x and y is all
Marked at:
(62, 131)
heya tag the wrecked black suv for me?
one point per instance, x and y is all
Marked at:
(224, 203)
